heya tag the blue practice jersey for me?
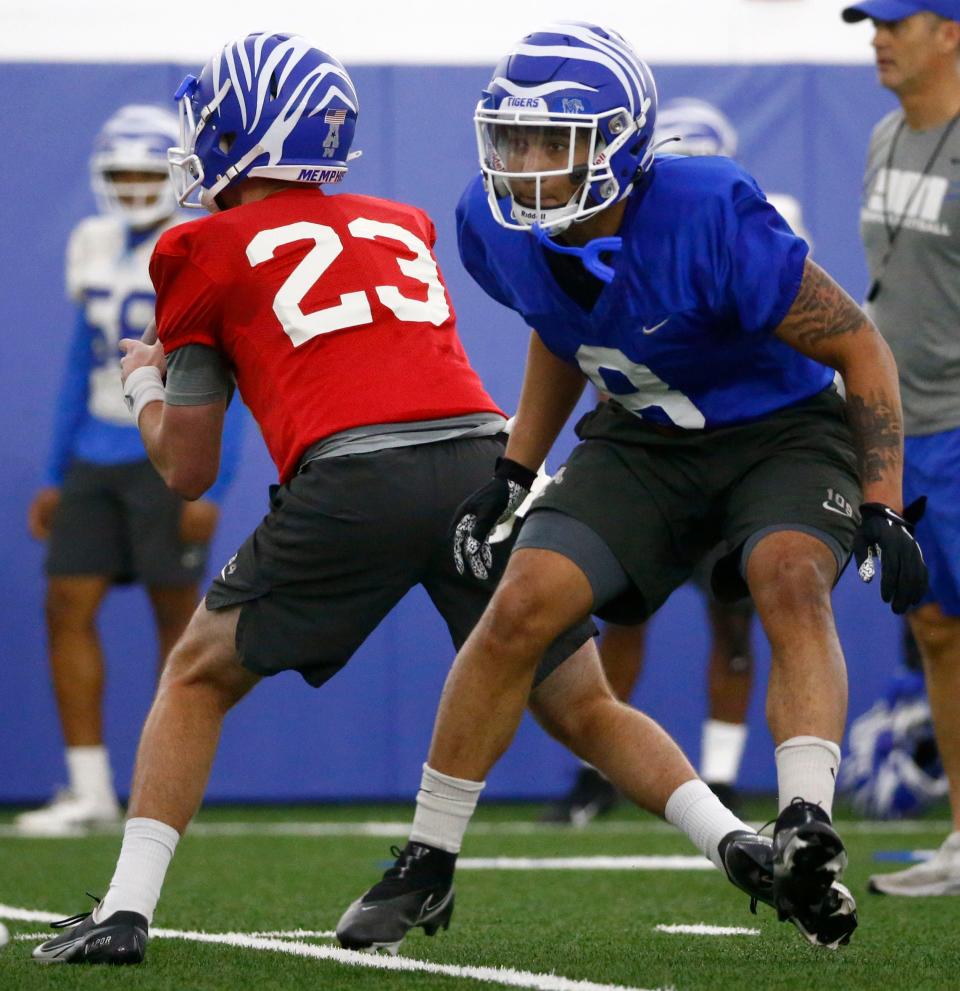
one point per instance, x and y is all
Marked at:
(107, 276)
(683, 334)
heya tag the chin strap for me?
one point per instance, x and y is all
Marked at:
(589, 254)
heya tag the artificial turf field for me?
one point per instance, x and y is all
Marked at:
(254, 893)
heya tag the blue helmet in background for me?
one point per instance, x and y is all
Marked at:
(695, 127)
(271, 106)
(893, 767)
(134, 139)
(588, 81)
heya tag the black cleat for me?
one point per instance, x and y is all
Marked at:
(119, 939)
(808, 860)
(591, 796)
(749, 862)
(416, 891)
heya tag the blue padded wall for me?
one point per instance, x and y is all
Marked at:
(803, 130)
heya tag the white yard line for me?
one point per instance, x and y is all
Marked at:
(634, 863)
(400, 829)
(702, 929)
(351, 958)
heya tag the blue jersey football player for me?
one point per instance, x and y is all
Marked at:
(104, 512)
(672, 285)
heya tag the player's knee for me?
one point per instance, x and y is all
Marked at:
(936, 634)
(791, 586)
(69, 608)
(574, 718)
(522, 615)
(582, 723)
(202, 666)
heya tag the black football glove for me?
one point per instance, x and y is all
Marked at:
(887, 537)
(478, 515)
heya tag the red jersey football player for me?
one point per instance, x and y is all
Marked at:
(330, 315)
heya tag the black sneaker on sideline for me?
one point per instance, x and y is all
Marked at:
(748, 859)
(591, 796)
(119, 939)
(808, 861)
(416, 891)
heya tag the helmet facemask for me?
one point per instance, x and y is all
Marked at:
(519, 150)
(140, 203)
(186, 169)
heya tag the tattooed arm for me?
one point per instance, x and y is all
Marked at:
(825, 324)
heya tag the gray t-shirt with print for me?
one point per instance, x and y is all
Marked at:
(917, 308)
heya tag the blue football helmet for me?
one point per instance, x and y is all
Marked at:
(135, 139)
(269, 105)
(893, 768)
(579, 88)
(687, 126)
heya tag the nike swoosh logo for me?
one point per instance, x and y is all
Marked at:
(428, 907)
(650, 330)
(835, 509)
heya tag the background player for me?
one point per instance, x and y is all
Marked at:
(331, 313)
(675, 288)
(910, 224)
(107, 514)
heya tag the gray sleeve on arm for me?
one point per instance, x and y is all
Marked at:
(196, 376)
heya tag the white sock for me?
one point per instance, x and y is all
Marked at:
(145, 855)
(695, 810)
(90, 775)
(444, 808)
(807, 768)
(721, 750)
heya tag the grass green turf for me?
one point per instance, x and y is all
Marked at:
(596, 926)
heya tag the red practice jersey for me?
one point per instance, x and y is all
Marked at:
(330, 310)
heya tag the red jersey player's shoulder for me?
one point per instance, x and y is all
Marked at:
(411, 217)
(191, 273)
(204, 242)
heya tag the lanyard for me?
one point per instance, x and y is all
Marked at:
(894, 231)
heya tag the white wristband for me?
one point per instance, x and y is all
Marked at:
(143, 386)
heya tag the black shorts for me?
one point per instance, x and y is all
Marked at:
(123, 522)
(343, 542)
(661, 499)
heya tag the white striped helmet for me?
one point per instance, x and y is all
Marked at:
(135, 139)
(269, 105)
(598, 98)
(694, 127)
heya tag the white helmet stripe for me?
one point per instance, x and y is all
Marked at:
(334, 91)
(261, 40)
(615, 46)
(298, 47)
(580, 55)
(235, 79)
(542, 90)
(244, 62)
(296, 52)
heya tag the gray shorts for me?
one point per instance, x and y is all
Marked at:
(343, 542)
(660, 500)
(123, 522)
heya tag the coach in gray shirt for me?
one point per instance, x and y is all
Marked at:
(910, 224)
